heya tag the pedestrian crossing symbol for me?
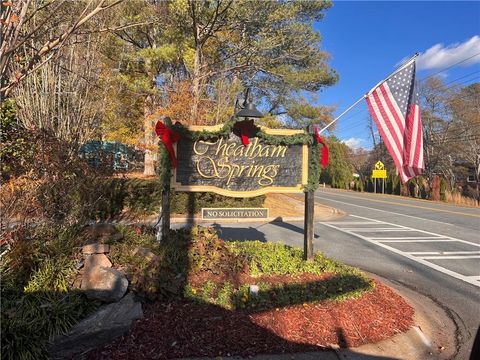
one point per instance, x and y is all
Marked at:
(379, 172)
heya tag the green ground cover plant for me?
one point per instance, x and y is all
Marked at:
(38, 301)
(197, 265)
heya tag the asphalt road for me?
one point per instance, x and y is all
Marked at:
(429, 247)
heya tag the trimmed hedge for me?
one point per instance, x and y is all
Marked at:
(143, 196)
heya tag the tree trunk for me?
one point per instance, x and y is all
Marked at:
(195, 96)
(196, 92)
(150, 143)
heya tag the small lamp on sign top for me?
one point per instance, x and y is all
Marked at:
(248, 110)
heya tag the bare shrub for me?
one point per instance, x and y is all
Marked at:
(459, 199)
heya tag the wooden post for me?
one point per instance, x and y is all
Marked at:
(165, 225)
(308, 227)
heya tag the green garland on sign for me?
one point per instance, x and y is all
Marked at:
(314, 172)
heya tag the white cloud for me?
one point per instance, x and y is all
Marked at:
(353, 143)
(441, 56)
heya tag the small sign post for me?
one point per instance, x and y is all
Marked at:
(379, 173)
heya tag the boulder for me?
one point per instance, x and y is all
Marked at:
(95, 249)
(109, 322)
(105, 284)
(96, 260)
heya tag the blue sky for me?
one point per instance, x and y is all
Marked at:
(368, 39)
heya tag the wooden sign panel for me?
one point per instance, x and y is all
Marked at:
(227, 167)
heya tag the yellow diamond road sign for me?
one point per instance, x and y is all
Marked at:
(379, 166)
(379, 172)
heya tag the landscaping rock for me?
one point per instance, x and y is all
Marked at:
(96, 260)
(96, 249)
(105, 284)
(108, 323)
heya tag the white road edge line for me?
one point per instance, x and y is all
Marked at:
(411, 257)
(404, 201)
(385, 211)
(450, 257)
(444, 252)
(475, 277)
(354, 222)
(416, 241)
(378, 238)
(374, 229)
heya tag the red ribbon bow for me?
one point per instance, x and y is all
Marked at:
(168, 137)
(246, 127)
(324, 161)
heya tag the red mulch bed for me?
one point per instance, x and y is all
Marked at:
(183, 329)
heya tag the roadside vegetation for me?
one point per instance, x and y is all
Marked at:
(40, 298)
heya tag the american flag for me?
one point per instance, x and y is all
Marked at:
(394, 107)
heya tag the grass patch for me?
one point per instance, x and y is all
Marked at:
(274, 258)
(221, 273)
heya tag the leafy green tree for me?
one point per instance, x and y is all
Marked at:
(339, 172)
(270, 46)
(220, 47)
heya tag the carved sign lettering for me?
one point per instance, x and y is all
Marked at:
(227, 167)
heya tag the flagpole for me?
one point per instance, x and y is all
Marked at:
(405, 64)
(343, 113)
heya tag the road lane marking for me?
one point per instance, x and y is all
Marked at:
(433, 238)
(356, 222)
(418, 241)
(410, 238)
(388, 212)
(433, 235)
(406, 205)
(453, 257)
(474, 277)
(444, 252)
(376, 229)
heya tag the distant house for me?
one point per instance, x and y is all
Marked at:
(112, 154)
